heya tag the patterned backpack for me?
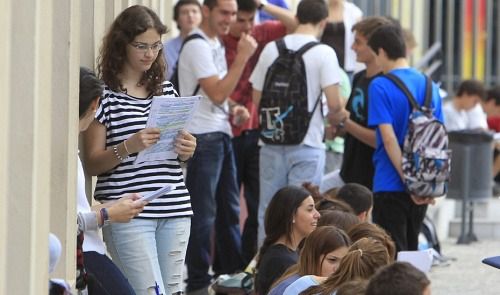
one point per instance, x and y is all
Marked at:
(284, 113)
(426, 157)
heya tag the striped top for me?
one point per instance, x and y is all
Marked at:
(123, 115)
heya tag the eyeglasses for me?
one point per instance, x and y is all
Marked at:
(144, 47)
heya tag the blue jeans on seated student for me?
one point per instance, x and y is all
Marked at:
(104, 276)
(150, 252)
(211, 181)
(282, 165)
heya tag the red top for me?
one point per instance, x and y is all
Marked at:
(494, 123)
(242, 94)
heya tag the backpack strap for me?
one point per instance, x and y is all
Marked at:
(306, 47)
(401, 85)
(280, 44)
(189, 38)
(428, 92)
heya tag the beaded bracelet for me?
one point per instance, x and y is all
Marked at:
(117, 154)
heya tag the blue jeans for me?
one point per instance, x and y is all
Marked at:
(282, 165)
(105, 277)
(150, 252)
(246, 152)
(211, 181)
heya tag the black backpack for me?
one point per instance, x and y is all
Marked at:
(284, 115)
(175, 74)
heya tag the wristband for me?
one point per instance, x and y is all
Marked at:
(341, 125)
(104, 217)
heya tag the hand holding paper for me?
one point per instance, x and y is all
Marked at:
(158, 193)
(185, 145)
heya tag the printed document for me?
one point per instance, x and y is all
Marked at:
(170, 115)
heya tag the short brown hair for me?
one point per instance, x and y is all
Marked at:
(399, 278)
(368, 25)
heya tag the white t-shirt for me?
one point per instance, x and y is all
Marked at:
(461, 119)
(322, 70)
(202, 59)
(352, 14)
(92, 241)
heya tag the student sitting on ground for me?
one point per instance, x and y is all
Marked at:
(354, 287)
(364, 258)
(371, 230)
(337, 218)
(290, 217)
(323, 249)
(400, 278)
(359, 198)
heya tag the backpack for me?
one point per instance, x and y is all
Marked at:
(175, 74)
(284, 115)
(426, 157)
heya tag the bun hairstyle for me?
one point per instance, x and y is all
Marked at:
(364, 258)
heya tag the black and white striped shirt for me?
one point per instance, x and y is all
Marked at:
(123, 115)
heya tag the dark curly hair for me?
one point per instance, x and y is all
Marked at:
(133, 21)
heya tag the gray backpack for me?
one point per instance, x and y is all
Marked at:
(426, 157)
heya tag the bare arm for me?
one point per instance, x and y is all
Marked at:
(285, 16)
(256, 95)
(365, 135)
(391, 146)
(333, 100)
(217, 89)
(97, 159)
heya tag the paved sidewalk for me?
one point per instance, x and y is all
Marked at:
(467, 275)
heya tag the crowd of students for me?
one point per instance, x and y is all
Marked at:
(309, 233)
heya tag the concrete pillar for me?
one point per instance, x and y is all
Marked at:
(65, 72)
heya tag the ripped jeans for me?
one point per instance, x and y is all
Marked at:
(150, 252)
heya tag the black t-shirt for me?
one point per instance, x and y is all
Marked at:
(357, 165)
(334, 36)
(275, 261)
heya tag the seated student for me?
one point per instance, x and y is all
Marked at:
(400, 278)
(491, 106)
(359, 197)
(289, 218)
(104, 276)
(364, 258)
(333, 204)
(465, 111)
(338, 218)
(374, 231)
(323, 249)
(354, 287)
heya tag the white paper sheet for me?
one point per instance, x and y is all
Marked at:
(420, 259)
(170, 115)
